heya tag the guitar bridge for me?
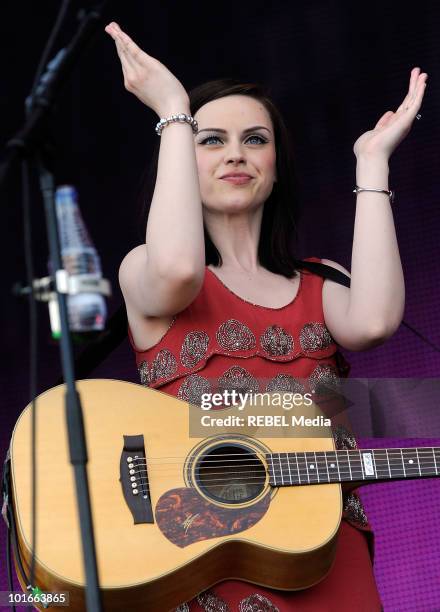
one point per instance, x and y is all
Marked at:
(134, 479)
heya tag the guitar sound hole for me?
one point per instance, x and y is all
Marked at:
(231, 473)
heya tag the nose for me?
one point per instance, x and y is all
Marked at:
(234, 153)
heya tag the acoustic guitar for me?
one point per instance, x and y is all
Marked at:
(176, 512)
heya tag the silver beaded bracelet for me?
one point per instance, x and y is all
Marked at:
(390, 193)
(180, 118)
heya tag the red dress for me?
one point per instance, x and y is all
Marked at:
(221, 341)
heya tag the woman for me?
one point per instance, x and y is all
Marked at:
(220, 199)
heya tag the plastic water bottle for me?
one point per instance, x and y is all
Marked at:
(87, 311)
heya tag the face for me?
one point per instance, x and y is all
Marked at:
(235, 136)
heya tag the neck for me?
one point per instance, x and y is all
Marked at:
(361, 465)
(236, 237)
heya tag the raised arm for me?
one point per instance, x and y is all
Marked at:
(164, 275)
(372, 309)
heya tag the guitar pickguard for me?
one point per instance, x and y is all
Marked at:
(185, 517)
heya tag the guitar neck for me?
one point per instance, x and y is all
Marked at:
(368, 465)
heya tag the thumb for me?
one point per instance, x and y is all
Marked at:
(384, 119)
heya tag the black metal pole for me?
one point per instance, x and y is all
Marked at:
(74, 415)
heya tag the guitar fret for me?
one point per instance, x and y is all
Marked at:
(375, 464)
(302, 467)
(425, 463)
(311, 467)
(435, 462)
(437, 459)
(343, 464)
(281, 469)
(362, 465)
(356, 466)
(418, 462)
(382, 463)
(288, 465)
(337, 463)
(317, 466)
(411, 462)
(321, 466)
(333, 466)
(403, 462)
(286, 468)
(326, 467)
(297, 468)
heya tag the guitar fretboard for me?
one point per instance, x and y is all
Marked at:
(352, 465)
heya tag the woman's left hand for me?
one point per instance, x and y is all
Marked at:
(392, 128)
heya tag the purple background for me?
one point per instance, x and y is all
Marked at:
(334, 68)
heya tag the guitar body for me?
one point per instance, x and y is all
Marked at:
(206, 526)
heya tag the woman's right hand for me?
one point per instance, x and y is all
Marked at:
(147, 78)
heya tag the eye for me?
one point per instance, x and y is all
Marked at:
(205, 140)
(253, 136)
(260, 138)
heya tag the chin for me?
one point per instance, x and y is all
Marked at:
(231, 204)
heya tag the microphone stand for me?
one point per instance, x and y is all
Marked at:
(73, 408)
(28, 143)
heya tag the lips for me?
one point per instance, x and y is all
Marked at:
(237, 179)
(236, 175)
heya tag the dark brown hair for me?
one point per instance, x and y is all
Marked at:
(278, 227)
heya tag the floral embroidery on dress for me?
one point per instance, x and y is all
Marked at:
(144, 373)
(354, 509)
(276, 341)
(257, 603)
(314, 337)
(232, 335)
(194, 347)
(324, 379)
(164, 365)
(192, 389)
(239, 379)
(211, 602)
(285, 382)
(344, 438)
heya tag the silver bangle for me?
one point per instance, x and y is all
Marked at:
(390, 193)
(180, 118)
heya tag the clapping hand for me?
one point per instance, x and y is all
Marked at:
(393, 127)
(146, 77)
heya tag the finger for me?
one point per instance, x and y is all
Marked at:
(416, 102)
(128, 45)
(415, 72)
(123, 52)
(384, 119)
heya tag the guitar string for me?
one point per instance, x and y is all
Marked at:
(420, 449)
(300, 480)
(312, 460)
(322, 466)
(407, 472)
(287, 480)
(386, 473)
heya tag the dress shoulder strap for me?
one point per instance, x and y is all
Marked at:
(324, 270)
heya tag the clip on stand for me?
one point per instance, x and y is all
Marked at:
(27, 143)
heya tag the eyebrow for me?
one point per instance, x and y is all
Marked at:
(251, 129)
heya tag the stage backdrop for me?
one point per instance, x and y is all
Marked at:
(334, 68)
